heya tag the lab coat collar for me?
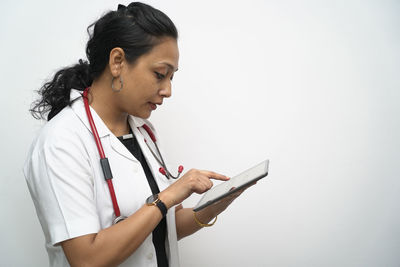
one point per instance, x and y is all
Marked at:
(79, 109)
(103, 131)
(135, 121)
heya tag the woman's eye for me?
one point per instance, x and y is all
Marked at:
(159, 75)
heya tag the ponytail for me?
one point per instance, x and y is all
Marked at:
(55, 94)
(136, 29)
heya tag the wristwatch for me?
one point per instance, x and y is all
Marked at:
(155, 201)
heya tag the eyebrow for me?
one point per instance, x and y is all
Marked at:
(169, 65)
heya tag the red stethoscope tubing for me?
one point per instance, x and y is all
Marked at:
(104, 161)
(101, 152)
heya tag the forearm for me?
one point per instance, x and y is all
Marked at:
(127, 235)
(111, 246)
(185, 222)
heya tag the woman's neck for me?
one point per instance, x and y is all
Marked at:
(102, 100)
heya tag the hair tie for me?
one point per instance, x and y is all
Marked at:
(121, 7)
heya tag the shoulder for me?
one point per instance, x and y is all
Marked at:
(59, 149)
(65, 131)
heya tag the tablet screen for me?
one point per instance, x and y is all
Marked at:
(224, 189)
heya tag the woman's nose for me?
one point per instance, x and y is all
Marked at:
(166, 89)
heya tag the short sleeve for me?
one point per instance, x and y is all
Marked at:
(61, 183)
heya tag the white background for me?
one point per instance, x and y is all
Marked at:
(311, 85)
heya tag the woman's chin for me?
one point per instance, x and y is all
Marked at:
(143, 115)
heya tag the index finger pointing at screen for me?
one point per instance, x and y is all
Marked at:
(216, 176)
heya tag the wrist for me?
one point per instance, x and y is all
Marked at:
(167, 199)
(206, 215)
(154, 200)
(203, 219)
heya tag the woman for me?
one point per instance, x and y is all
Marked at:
(132, 57)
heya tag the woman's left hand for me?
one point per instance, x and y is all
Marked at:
(186, 224)
(222, 204)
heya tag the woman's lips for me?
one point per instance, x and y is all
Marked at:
(153, 106)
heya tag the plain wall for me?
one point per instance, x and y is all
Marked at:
(312, 85)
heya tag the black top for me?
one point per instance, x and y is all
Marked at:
(159, 233)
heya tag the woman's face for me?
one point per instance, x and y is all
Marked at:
(148, 81)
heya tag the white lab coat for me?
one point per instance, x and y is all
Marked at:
(68, 189)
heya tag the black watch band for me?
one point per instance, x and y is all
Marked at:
(153, 200)
(162, 207)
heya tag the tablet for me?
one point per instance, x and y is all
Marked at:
(238, 182)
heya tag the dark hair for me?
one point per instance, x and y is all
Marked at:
(136, 29)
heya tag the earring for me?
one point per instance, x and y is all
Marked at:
(112, 84)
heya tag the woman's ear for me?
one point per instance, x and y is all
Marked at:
(117, 58)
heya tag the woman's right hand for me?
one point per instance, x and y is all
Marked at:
(194, 181)
(112, 245)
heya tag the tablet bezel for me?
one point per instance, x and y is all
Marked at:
(212, 201)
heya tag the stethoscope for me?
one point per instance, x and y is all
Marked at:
(105, 165)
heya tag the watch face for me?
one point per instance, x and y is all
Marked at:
(151, 199)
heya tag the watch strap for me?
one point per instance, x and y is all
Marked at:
(154, 200)
(162, 207)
